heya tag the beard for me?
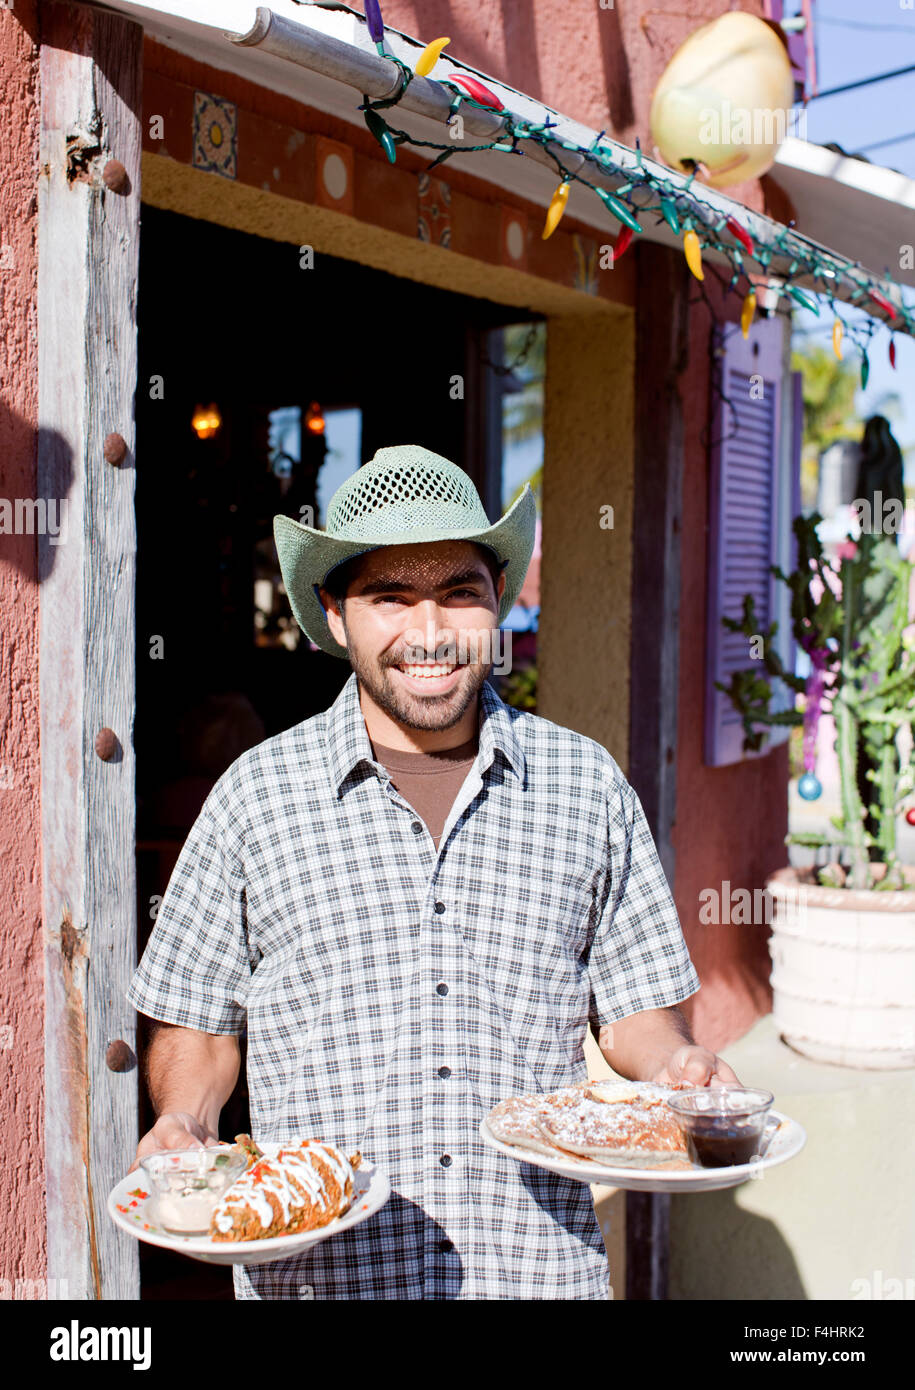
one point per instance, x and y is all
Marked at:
(440, 711)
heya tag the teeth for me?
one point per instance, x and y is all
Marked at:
(427, 670)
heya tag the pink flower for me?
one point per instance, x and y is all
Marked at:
(846, 550)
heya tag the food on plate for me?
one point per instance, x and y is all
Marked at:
(623, 1123)
(307, 1185)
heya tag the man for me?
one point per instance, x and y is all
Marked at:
(416, 902)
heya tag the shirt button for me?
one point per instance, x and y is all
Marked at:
(444, 1072)
(439, 907)
(417, 827)
(446, 1246)
(445, 1160)
(441, 989)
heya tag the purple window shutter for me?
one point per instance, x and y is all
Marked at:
(743, 515)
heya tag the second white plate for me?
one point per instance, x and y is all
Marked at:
(786, 1142)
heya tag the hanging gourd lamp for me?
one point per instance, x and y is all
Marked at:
(723, 101)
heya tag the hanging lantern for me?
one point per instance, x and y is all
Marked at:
(206, 421)
(723, 101)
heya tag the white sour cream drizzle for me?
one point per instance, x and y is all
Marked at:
(273, 1176)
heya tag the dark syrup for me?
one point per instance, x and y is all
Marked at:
(716, 1144)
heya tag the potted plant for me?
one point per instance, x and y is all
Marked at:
(843, 942)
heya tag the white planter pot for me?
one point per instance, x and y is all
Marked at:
(843, 975)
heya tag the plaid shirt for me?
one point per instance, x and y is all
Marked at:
(393, 995)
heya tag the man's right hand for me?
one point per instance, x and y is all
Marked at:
(176, 1129)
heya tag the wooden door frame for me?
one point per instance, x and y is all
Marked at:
(88, 236)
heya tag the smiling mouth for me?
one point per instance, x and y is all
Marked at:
(427, 670)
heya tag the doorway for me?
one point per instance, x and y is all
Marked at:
(261, 386)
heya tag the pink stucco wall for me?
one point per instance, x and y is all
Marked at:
(599, 66)
(22, 1243)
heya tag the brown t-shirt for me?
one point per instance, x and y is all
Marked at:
(429, 781)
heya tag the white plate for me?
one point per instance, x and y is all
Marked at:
(786, 1142)
(128, 1210)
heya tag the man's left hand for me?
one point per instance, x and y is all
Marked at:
(696, 1065)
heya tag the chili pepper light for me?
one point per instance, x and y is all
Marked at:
(381, 133)
(556, 209)
(670, 215)
(747, 314)
(693, 253)
(741, 233)
(619, 209)
(374, 22)
(429, 57)
(479, 92)
(622, 243)
(865, 370)
(893, 353)
(837, 331)
(882, 302)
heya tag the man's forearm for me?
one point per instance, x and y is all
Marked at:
(638, 1046)
(192, 1072)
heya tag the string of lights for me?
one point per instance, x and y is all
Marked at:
(642, 193)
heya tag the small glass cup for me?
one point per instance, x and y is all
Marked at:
(722, 1125)
(186, 1184)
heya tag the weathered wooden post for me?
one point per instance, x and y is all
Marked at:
(90, 72)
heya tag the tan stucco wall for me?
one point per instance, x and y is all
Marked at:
(586, 572)
(22, 1240)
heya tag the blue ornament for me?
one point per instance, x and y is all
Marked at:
(810, 787)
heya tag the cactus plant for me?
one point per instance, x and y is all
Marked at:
(853, 623)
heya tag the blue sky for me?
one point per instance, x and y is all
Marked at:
(856, 39)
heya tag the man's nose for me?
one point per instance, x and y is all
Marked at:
(429, 623)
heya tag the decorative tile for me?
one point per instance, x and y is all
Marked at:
(333, 174)
(513, 238)
(434, 211)
(585, 264)
(215, 135)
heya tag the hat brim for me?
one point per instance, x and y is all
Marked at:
(307, 556)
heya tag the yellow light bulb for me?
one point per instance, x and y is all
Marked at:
(429, 57)
(556, 209)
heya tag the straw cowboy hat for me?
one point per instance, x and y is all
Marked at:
(405, 495)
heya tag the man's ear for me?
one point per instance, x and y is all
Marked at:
(334, 616)
(500, 587)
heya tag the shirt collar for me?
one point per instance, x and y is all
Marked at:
(348, 743)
